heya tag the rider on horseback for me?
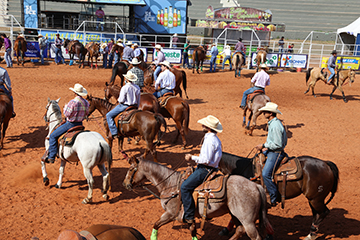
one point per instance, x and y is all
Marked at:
(160, 57)
(138, 72)
(166, 80)
(5, 85)
(240, 47)
(128, 52)
(273, 148)
(331, 66)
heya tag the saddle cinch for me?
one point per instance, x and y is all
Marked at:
(165, 98)
(289, 170)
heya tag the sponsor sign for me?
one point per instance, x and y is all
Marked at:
(171, 55)
(348, 62)
(271, 60)
(31, 13)
(238, 13)
(293, 60)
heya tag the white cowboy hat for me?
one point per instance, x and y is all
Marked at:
(227, 47)
(40, 35)
(211, 122)
(119, 44)
(79, 90)
(158, 46)
(21, 35)
(103, 45)
(129, 43)
(263, 65)
(135, 61)
(270, 107)
(175, 34)
(135, 45)
(130, 76)
(165, 63)
(119, 40)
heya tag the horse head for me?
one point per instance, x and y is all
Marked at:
(134, 174)
(66, 42)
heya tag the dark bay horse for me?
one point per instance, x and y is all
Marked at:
(339, 79)
(93, 50)
(261, 57)
(119, 68)
(238, 60)
(319, 179)
(245, 200)
(6, 109)
(143, 123)
(198, 58)
(75, 47)
(253, 106)
(20, 48)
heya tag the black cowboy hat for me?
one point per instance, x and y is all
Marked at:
(334, 52)
(240, 39)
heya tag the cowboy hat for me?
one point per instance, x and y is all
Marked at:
(240, 39)
(227, 47)
(165, 63)
(119, 40)
(263, 65)
(79, 90)
(158, 46)
(130, 76)
(270, 107)
(135, 45)
(175, 34)
(103, 45)
(135, 61)
(129, 43)
(334, 52)
(40, 35)
(211, 122)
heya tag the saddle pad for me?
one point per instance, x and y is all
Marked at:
(292, 168)
(215, 187)
(125, 117)
(251, 96)
(164, 99)
(68, 138)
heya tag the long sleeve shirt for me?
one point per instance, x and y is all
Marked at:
(128, 53)
(5, 79)
(261, 79)
(140, 76)
(240, 47)
(332, 61)
(227, 52)
(210, 152)
(76, 110)
(42, 43)
(7, 43)
(58, 42)
(214, 51)
(166, 79)
(160, 58)
(137, 52)
(129, 94)
(276, 139)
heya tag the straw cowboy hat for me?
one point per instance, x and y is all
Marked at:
(119, 40)
(40, 35)
(175, 34)
(135, 45)
(135, 61)
(165, 63)
(263, 65)
(79, 90)
(103, 45)
(157, 46)
(129, 43)
(212, 123)
(334, 52)
(270, 107)
(130, 76)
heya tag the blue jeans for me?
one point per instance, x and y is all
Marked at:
(225, 59)
(7, 57)
(213, 63)
(332, 70)
(54, 136)
(112, 114)
(42, 55)
(105, 61)
(273, 160)
(188, 187)
(161, 92)
(58, 54)
(116, 58)
(97, 25)
(186, 60)
(247, 92)
(157, 72)
(111, 58)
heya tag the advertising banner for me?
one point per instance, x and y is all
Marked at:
(30, 13)
(272, 60)
(127, 2)
(293, 60)
(171, 55)
(161, 17)
(348, 62)
(238, 13)
(258, 26)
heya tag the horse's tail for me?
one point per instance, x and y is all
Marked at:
(196, 56)
(264, 221)
(107, 155)
(184, 82)
(160, 119)
(114, 73)
(308, 74)
(237, 59)
(335, 171)
(186, 112)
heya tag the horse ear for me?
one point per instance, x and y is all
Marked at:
(49, 100)
(58, 99)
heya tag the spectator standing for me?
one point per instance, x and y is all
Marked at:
(117, 53)
(227, 52)
(105, 52)
(7, 46)
(100, 18)
(281, 44)
(186, 54)
(111, 55)
(214, 52)
(43, 42)
(175, 41)
(58, 51)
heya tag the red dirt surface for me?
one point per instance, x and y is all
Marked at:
(317, 127)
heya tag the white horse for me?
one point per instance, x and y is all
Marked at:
(90, 148)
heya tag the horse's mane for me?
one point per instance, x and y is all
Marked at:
(108, 105)
(56, 109)
(161, 172)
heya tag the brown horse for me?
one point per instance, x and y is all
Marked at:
(198, 58)
(318, 180)
(180, 77)
(237, 60)
(148, 102)
(20, 48)
(93, 49)
(103, 232)
(75, 47)
(6, 109)
(261, 57)
(143, 123)
(253, 106)
(245, 200)
(339, 79)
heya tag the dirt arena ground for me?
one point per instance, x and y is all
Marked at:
(317, 127)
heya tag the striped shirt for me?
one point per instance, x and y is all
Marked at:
(261, 79)
(76, 110)
(210, 152)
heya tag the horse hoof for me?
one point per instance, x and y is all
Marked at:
(46, 181)
(247, 128)
(106, 197)
(314, 96)
(345, 101)
(86, 201)
(57, 186)
(311, 236)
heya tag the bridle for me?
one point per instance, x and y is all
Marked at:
(47, 119)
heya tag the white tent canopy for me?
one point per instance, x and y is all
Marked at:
(351, 29)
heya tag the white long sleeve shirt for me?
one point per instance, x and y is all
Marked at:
(166, 79)
(210, 152)
(129, 94)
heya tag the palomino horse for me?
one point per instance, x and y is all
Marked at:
(75, 47)
(6, 109)
(90, 148)
(319, 179)
(253, 106)
(143, 123)
(198, 58)
(338, 80)
(245, 200)
(261, 57)
(148, 102)
(180, 77)
(93, 49)
(238, 60)
(20, 48)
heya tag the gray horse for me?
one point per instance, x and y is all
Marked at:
(253, 107)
